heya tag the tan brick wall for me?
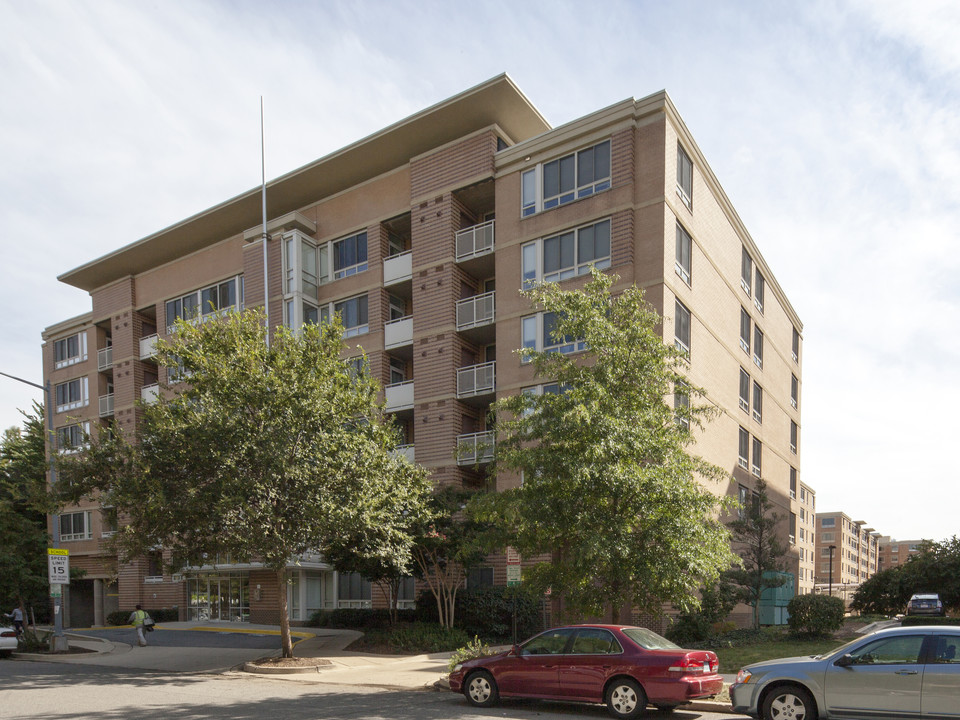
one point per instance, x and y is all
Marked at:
(456, 164)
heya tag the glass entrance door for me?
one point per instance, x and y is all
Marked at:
(219, 597)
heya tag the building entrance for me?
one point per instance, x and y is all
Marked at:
(219, 596)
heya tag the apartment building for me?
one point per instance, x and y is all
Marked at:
(421, 236)
(853, 548)
(803, 525)
(892, 553)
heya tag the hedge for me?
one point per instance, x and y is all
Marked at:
(358, 619)
(815, 615)
(911, 620)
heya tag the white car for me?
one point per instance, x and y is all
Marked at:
(8, 640)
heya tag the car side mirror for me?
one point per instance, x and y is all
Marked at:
(845, 661)
(515, 650)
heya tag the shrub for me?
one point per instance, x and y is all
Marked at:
(416, 638)
(358, 619)
(472, 650)
(815, 615)
(487, 612)
(910, 620)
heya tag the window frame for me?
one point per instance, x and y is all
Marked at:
(744, 391)
(536, 323)
(70, 437)
(684, 177)
(683, 261)
(86, 532)
(532, 256)
(743, 448)
(197, 311)
(533, 181)
(757, 402)
(759, 290)
(363, 311)
(794, 436)
(83, 394)
(794, 391)
(757, 346)
(65, 359)
(359, 266)
(746, 271)
(756, 466)
(746, 323)
(680, 325)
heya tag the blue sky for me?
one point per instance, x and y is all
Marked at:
(834, 128)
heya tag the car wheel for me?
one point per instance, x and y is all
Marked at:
(481, 689)
(625, 698)
(789, 702)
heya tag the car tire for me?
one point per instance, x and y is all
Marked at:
(788, 702)
(625, 698)
(480, 689)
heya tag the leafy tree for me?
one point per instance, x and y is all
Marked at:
(609, 487)
(883, 593)
(271, 451)
(697, 625)
(935, 568)
(23, 520)
(760, 550)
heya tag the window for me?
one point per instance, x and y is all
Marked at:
(350, 256)
(352, 587)
(900, 650)
(398, 371)
(745, 330)
(154, 566)
(684, 251)
(108, 521)
(758, 346)
(551, 642)
(793, 484)
(538, 334)
(480, 577)
(71, 437)
(70, 350)
(567, 255)
(681, 328)
(566, 179)
(72, 394)
(684, 177)
(758, 291)
(744, 391)
(757, 403)
(793, 528)
(75, 526)
(353, 315)
(796, 345)
(213, 299)
(595, 641)
(828, 522)
(794, 390)
(398, 308)
(743, 497)
(746, 270)
(681, 404)
(743, 456)
(757, 452)
(794, 431)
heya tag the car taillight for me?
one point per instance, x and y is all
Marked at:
(8, 633)
(689, 665)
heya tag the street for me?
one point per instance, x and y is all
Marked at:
(76, 691)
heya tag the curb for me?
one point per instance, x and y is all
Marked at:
(321, 664)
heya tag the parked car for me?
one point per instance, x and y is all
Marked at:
(625, 667)
(898, 672)
(8, 640)
(924, 604)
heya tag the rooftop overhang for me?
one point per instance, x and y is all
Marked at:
(495, 102)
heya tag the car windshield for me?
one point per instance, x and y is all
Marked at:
(648, 640)
(841, 649)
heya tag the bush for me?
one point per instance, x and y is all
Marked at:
(815, 615)
(416, 638)
(910, 620)
(472, 650)
(122, 617)
(487, 612)
(358, 619)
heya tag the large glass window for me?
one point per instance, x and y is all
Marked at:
(757, 454)
(353, 315)
(744, 390)
(745, 330)
(794, 390)
(684, 177)
(681, 326)
(759, 290)
(796, 345)
(758, 346)
(217, 298)
(794, 436)
(683, 263)
(75, 526)
(568, 254)
(71, 437)
(350, 255)
(746, 270)
(70, 350)
(72, 394)
(743, 450)
(566, 179)
(538, 334)
(352, 588)
(757, 402)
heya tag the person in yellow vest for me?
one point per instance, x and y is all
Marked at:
(137, 618)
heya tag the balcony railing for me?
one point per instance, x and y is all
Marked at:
(474, 448)
(474, 241)
(150, 393)
(397, 268)
(399, 396)
(406, 451)
(106, 405)
(398, 332)
(475, 311)
(476, 379)
(148, 346)
(104, 358)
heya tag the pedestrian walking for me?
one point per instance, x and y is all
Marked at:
(137, 618)
(17, 617)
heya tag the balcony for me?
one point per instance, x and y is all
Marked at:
(475, 317)
(398, 396)
(475, 448)
(106, 405)
(405, 451)
(148, 346)
(104, 359)
(397, 269)
(476, 380)
(150, 393)
(398, 333)
(474, 247)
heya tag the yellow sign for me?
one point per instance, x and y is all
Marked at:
(57, 551)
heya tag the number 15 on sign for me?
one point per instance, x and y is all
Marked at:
(58, 562)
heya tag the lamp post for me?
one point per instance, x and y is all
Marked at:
(830, 591)
(60, 643)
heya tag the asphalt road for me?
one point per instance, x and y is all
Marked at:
(31, 690)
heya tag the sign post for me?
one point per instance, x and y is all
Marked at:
(514, 578)
(58, 566)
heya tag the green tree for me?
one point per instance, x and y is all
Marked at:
(609, 487)
(883, 593)
(23, 520)
(271, 451)
(759, 548)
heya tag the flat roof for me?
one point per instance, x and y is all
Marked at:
(497, 101)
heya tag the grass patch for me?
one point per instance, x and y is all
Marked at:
(734, 658)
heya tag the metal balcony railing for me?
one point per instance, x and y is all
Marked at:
(474, 448)
(106, 405)
(476, 240)
(476, 379)
(475, 311)
(150, 393)
(104, 358)
(397, 333)
(148, 346)
(398, 396)
(397, 268)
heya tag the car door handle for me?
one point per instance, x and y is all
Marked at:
(905, 672)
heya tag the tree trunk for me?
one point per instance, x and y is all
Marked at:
(285, 642)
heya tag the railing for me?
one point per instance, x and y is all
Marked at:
(476, 379)
(398, 332)
(406, 451)
(476, 240)
(106, 405)
(475, 311)
(148, 346)
(104, 358)
(354, 604)
(399, 396)
(153, 579)
(474, 448)
(150, 393)
(397, 268)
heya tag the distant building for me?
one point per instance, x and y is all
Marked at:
(895, 552)
(855, 553)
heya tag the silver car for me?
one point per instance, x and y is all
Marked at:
(902, 672)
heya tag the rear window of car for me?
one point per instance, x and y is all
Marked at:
(648, 639)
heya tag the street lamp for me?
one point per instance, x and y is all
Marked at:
(60, 643)
(830, 591)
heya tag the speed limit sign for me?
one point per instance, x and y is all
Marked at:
(58, 562)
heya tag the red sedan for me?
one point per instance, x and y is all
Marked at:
(625, 667)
